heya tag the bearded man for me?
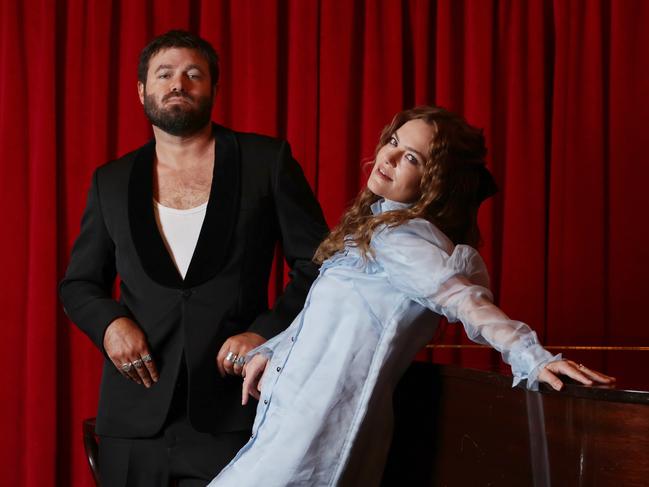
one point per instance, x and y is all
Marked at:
(189, 222)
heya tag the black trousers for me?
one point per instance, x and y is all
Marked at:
(178, 456)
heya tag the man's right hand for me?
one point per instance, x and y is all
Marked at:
(126, 345)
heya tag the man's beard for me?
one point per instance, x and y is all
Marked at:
(179, 119)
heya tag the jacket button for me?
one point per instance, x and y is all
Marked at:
(278, 369)
(265, 401)
(186, 293)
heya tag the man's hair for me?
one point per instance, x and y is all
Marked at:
(179, 39)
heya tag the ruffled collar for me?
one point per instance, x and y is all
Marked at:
(350, 256)
(384, 205)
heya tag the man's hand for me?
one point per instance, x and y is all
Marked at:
(578, 372)
(234, 347)
(126, 345)
(252, 376)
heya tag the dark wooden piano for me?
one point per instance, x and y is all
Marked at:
(464, 427)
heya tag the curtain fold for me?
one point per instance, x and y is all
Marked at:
(560, 88)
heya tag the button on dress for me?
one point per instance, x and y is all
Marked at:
(325, 413)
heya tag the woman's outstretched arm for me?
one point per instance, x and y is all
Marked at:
(484, 322)
(453, 281)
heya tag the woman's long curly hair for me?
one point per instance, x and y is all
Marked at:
(455, 181)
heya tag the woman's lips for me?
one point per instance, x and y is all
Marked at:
(383, 175)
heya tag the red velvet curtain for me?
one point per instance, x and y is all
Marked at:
(559, 87)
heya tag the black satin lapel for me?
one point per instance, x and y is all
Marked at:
(222, 210)
(148, 242)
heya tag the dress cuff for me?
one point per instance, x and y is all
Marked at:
(260, 350)
(529, 363)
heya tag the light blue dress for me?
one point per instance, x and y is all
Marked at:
(325, 412)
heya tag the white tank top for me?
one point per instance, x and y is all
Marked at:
(180, 230)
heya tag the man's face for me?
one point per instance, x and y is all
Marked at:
(178, 95)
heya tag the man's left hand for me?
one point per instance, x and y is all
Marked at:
(234, 347)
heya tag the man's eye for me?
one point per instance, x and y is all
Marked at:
(163, 76)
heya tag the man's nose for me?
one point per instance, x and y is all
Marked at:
(177, 84)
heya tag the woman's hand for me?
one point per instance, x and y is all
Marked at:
(252, 376)
(573, 370)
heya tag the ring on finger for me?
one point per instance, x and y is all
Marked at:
(231, 357)
(127, 367)
(138, 364)
(241, 359)
(146, 358)
(580, 366)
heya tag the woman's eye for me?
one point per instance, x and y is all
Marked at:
(393, 141)
(412, 159)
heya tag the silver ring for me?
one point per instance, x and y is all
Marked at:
(231, 357)
(147, 358)
(127, 367)
(138, 364)
(580, 366)
(240, 360)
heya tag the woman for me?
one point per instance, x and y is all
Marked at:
(402, 256)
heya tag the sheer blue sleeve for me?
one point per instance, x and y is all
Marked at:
(453, 281)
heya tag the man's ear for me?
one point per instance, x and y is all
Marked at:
(140, 91)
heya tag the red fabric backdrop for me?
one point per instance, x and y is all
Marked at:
(560, 88)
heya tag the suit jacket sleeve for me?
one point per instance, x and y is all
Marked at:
(302, 227)
(86, 289)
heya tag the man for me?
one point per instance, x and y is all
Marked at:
(189, 222)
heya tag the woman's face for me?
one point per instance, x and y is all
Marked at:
(399, 164)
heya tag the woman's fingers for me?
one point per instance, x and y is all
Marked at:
(549, 378)
(253, 375)
(249, 388)
(578, 372)
(596, 376)
(569, 368)
(244, 390)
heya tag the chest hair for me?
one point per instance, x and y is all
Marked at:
(183, 188)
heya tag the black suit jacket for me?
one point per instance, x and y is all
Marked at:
(259, 196)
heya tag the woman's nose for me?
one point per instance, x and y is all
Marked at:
(393, 158)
